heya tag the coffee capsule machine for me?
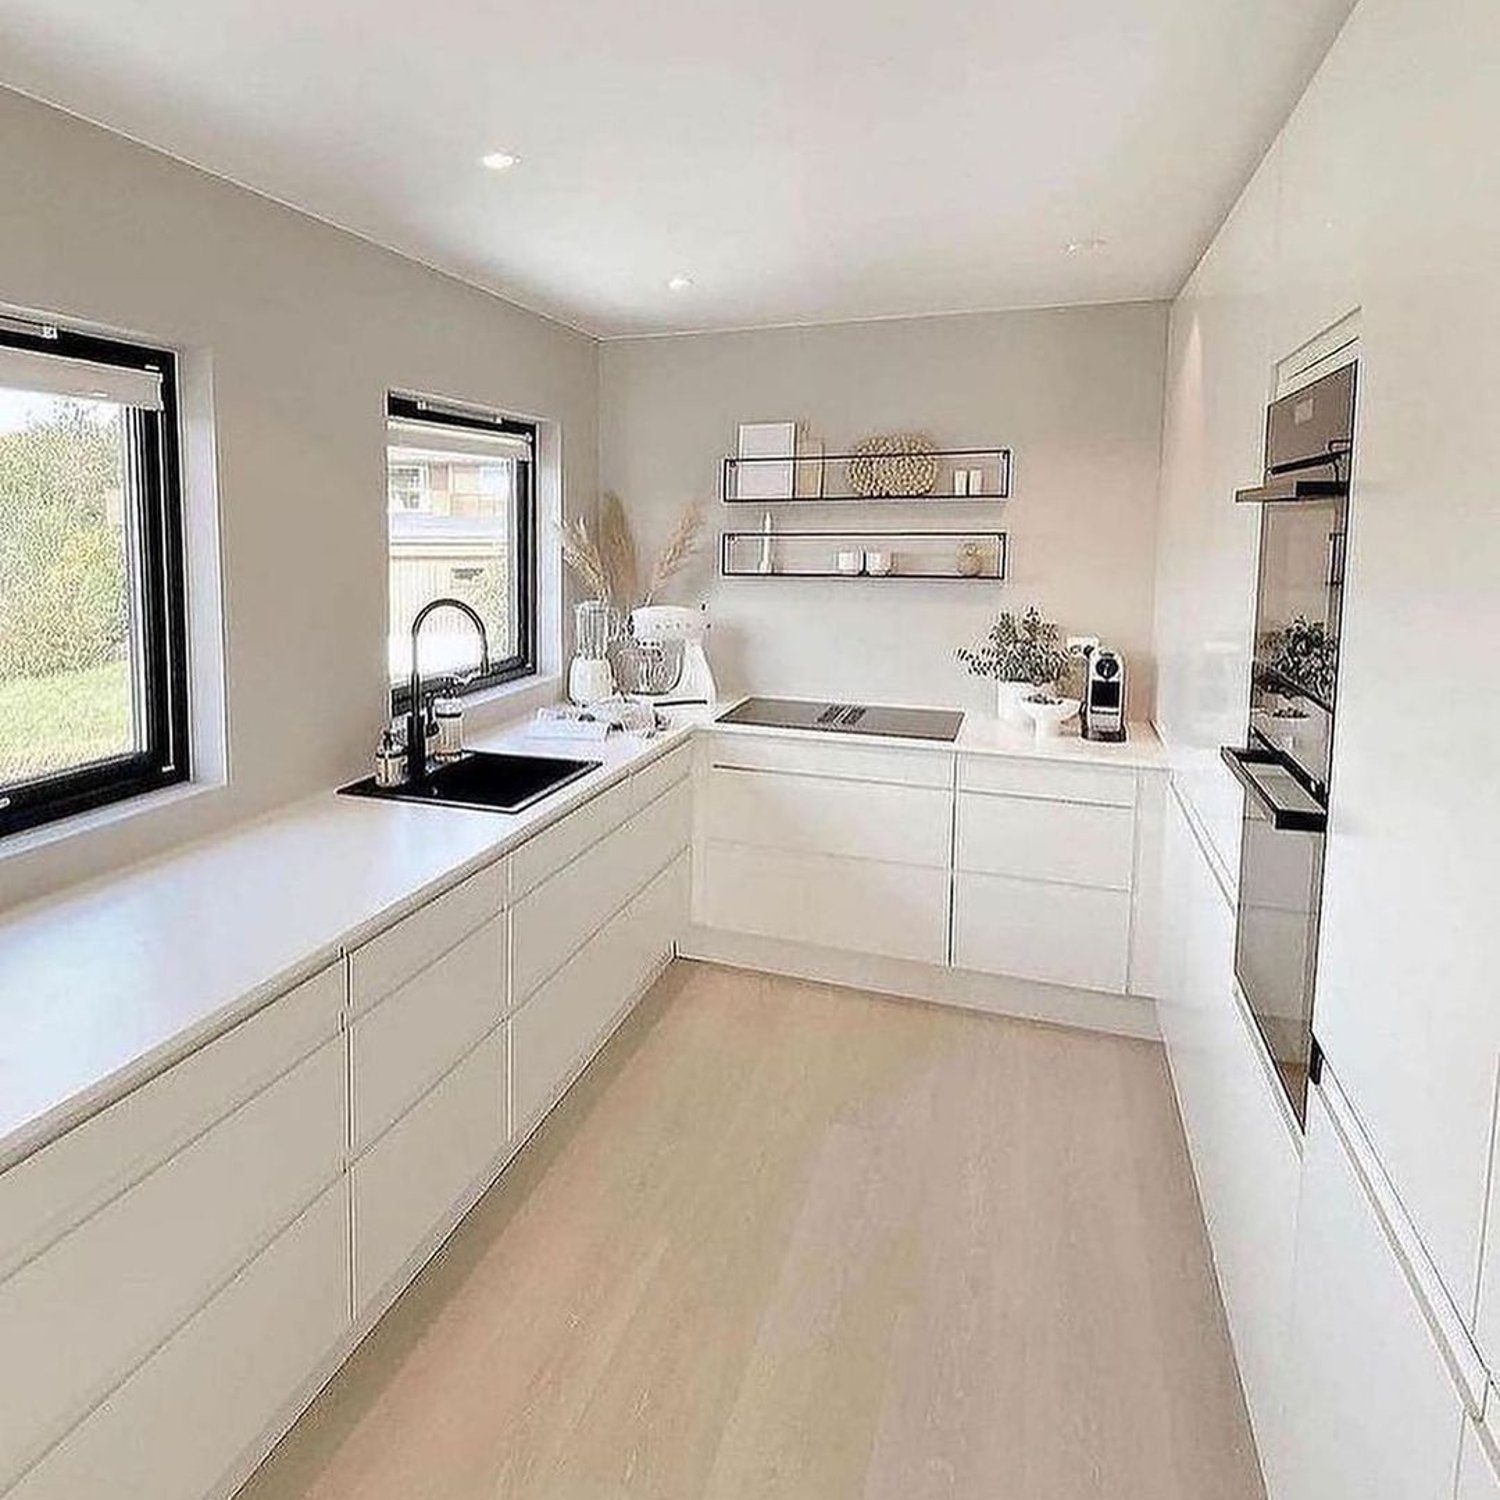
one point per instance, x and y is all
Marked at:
(1102, 714)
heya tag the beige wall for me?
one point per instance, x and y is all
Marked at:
(1381, 196)
(1077, 393)
(301, 330)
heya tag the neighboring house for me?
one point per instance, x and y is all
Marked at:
(452, 531)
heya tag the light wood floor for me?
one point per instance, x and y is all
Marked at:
(793, 1241)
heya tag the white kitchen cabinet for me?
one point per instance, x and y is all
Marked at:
(562, 842)
(407, 1041)
(1044, 872)
(1059, 934)
(654, 778)
(1478, 1478)
(1244, 1144)
(1372, 1411)
(827, 815)
(185, 1417)
(76, 1319)
(387, 961)
(1032, 839)
(890, 765)
(57, 1187)
(840, 846)
(555, 918)
(561, 1025)
(1487, 1320)
(865, 905)
(407, 1186)
(1054, 781)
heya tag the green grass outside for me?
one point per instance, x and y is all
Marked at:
(50, 723)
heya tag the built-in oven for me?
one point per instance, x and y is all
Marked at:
(1284, 766)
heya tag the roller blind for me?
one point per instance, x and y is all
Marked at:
(418, 438)
(57, 375)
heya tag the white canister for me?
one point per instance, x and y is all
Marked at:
(878, 563)
(851, 563)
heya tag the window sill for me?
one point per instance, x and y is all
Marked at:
(511, 700)
(30, 840)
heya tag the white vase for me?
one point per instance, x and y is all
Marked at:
(1009, 696)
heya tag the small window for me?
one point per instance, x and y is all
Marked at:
(461, 517)
(93, 651)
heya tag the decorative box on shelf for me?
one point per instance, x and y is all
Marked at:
(967, 556)
(810, 476)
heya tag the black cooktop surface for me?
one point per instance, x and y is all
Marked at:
(847, 718)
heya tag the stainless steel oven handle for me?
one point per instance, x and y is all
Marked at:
(1282, 815)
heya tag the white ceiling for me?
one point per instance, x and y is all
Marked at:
(801, 160)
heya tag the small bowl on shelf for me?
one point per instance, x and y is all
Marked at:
(1048, 713)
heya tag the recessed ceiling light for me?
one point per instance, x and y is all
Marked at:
(679, 283)
(500, 161)
(1086, 246)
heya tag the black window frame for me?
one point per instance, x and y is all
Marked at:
(153, 451)
(431, 412)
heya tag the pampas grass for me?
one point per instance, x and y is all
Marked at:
(603, 557)
(581, 556)
(617, 553)
(680, 546)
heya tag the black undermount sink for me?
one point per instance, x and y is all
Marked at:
(482, 779)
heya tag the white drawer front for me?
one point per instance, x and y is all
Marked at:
(51, 1191)
(389, 960)
(1062, 934)
(556, 918)
(815, 756)
(1039, 778)
(186, 1416)
(74, 1321)
(869, 820)
(864, 905)
(647, 784)
(410, 1180)
(567, 838)
(412, 1037)
(555, 1031)
(1035, 840)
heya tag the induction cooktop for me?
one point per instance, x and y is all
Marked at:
(847, 718)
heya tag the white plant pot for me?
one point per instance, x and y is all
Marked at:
(1009, 697)
(1049, 718)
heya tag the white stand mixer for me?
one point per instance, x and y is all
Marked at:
(660, 623)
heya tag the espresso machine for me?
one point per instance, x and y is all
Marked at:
(1102, 711)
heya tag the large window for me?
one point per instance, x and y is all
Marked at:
(92, 646)
(461, 518)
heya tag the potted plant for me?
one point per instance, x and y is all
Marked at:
(1304, 656)
(1021, 654)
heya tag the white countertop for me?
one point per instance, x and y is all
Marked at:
(1140, 750)
(103, 986)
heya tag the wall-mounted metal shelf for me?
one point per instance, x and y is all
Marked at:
(816, 478)
(957, 556)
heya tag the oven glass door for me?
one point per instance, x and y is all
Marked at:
(1297, 617)
(1276, 939)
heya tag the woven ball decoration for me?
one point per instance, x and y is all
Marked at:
(893, 463)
